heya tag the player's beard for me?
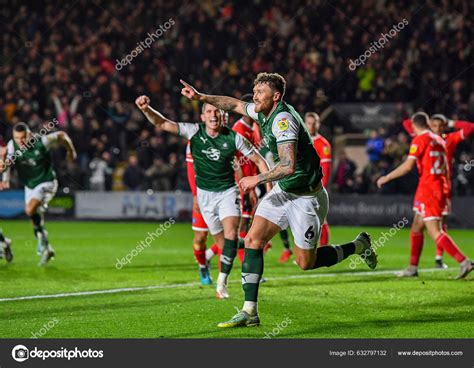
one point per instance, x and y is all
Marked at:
(262, 107)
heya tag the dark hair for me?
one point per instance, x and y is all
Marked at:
(420, 119)
(203, 107)
(439, 117)
(274, 80)
(20, 127)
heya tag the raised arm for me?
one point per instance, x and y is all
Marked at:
(4, 169)
(155, 117)
(3, 156)
(408, 126)
(222, 102)
(65, 141)
(466, 127)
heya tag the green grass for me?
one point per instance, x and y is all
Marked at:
(343, 306)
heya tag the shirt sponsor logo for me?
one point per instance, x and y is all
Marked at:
(212, 154)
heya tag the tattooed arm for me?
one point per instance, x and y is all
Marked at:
(284, 168)
(222, 102)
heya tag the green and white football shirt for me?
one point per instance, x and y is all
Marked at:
(285, 125)
(33, 162)
(214, 156)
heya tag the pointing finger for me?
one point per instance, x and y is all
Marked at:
(185, 83)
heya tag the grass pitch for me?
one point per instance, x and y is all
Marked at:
(167, 300)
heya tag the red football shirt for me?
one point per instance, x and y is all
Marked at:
(465, 129)
(190, 170)
(252, 134)
(323, 148)
(429, 151)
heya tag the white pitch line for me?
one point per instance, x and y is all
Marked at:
(192, 284)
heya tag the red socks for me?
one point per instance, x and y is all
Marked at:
(200, 257)
(241, 254)
(215, 248)
(445, 242)
(416, 241)
(324, 239)
(439, 249)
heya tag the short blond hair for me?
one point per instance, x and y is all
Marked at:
(311, 114)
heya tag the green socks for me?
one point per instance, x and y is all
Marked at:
(252, 270)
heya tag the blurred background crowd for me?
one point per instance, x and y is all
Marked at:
(54, 68)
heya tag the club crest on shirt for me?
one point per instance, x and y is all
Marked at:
(212, 154)
(283, 124)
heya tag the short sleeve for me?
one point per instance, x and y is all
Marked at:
(285, 128)
(187, 130)
(50, 140)
(326, 153)
(250, 111)
(417, 148)
(456, 137)
(243, 145)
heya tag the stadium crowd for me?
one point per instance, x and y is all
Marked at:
(53, 69)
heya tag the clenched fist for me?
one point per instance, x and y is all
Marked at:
(142, 102)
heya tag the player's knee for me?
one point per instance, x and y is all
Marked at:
(30, 211)
(200, 239)
(253, 242)
(305, 264)
(231, 234)
(417, 226)
(435, 233)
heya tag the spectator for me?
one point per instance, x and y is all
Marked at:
(99, 170)
(344, 177)
(133, 175)
(375, 146)
(67, 69)
(160, 176)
